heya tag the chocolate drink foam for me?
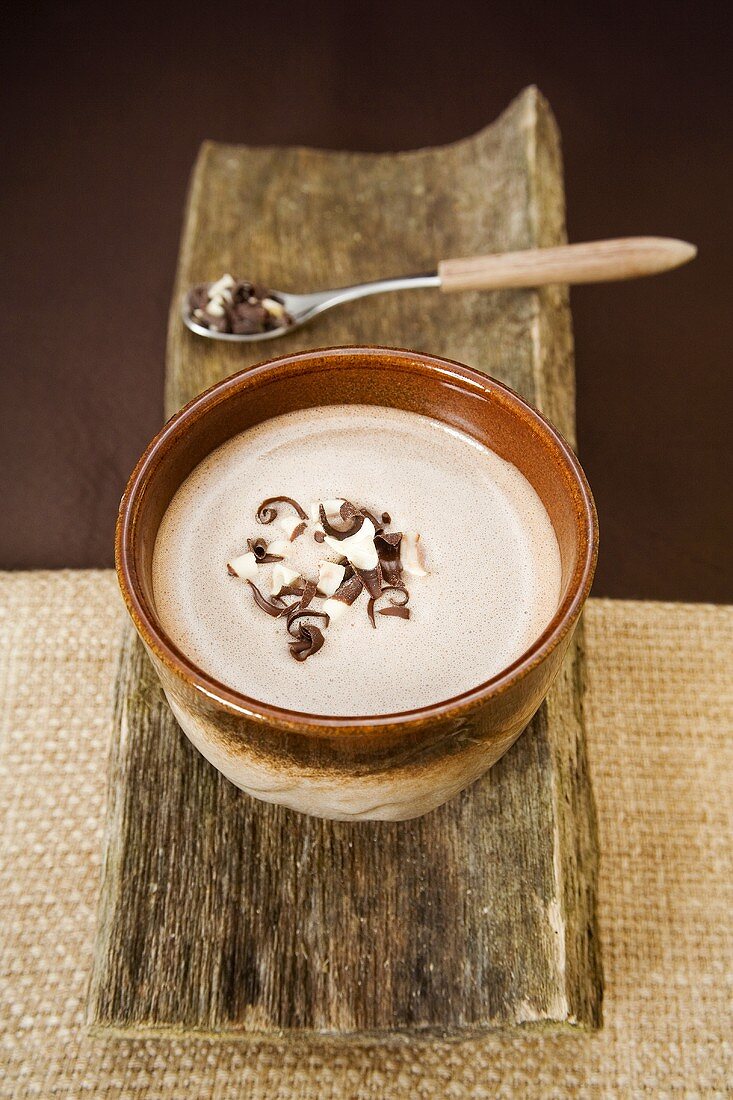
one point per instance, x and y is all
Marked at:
(488, 586)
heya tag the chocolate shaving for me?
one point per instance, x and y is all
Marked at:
(291, 590)
(259, 549)
(371, 579)
(398, 612)
(348, 512)
(297, 613)
(300, 614)
(274, 607)
(198, 297)
(230, 571)
(398, 597)
(391, 540)
(379, 524)
(246, 318)
(266, 514)
(349, 589)
(308, 593)
(397, 606)
(241, 291)
(397, 589)
(310, 640)
(388, 549)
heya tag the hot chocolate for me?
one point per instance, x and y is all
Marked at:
(296, 510)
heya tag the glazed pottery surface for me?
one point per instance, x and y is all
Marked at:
(391, 766)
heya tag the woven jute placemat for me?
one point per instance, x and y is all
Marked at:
(660, 715)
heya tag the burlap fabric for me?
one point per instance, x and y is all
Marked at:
(660, 708)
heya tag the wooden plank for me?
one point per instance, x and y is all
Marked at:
(229, 916)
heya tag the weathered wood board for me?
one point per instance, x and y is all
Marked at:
(233, 917)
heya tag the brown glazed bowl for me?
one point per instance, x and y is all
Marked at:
(388, 766)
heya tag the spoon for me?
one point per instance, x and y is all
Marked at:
(593, 262)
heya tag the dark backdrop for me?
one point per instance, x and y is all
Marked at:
(103, 117)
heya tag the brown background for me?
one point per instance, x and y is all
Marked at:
(102, 120)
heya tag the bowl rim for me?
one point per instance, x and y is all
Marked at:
(176, 661)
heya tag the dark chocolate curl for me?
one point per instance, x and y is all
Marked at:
(371, 579)
(247, 318)
(274, 607)
(259, 549)
(298, 531)
(397, 594)
(349, 589)
(388, 549)
(379, 524)
(297, 613)
(390, 539)
(230, 571)
(398, 598)
(357, 522)
(398, 612)
(308, 593)
(370, 612)
(309, 641)
(291, 590)
(266, 513)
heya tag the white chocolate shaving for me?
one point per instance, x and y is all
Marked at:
(274, 307)
(289, 524)
(224, 284)
(216, 307)
(335, 609)
(282, 577)
(359, 549)
(411, 556)
(279, 548)
(330, 576)
(245, 566)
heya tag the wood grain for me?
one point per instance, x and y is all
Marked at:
(229, 916)
(590, 262)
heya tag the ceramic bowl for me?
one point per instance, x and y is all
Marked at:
(387, 766)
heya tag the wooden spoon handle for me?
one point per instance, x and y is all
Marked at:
(594, 262)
